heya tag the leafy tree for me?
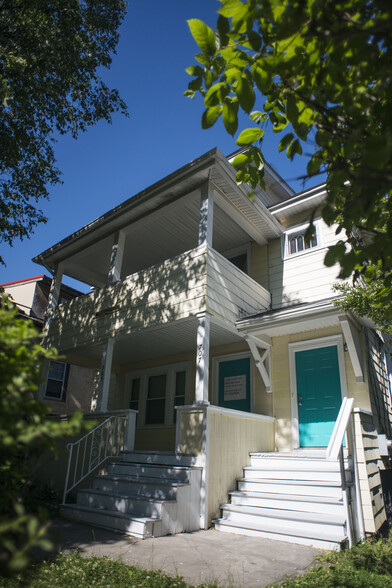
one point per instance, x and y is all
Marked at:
(50, 53)
(318, 71)
(25, 434)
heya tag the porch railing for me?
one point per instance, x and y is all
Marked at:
(342, 426)
(108, 439)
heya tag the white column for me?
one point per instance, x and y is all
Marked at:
(114, 274)
(202, 359)
(104, 379)
(206, 215)
(54, 293)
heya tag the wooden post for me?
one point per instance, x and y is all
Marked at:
(206, 215)
(114, 274)
(104, 379)
(54, 293)
(202, 359)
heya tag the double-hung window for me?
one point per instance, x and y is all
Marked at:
(56, 383)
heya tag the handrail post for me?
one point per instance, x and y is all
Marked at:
(346, 500)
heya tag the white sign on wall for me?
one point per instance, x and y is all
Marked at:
(234, 388)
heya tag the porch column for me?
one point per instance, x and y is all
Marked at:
(54, 293)
(114, 274)
(206, 215)
(104, 379)
(202, 359)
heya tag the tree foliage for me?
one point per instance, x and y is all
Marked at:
(50, 54)
(25, 433)
(319, 72)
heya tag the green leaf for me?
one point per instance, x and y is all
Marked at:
(245, 93)
(222, 31)
(203, 35)
(292, 111)
(230, 116)
(334, 253)
(210, 116)
(233, 9)
(203, 59)
(216, 94)
(194, 70)
(241, 160)
(258, 116)
(285, 142)
(249, 136)
(233, 74)
(262, 78)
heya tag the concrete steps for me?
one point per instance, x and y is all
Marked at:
(295, 497)
(143, 494)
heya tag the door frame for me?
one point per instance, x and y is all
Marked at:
(229, 357)
(332, 341)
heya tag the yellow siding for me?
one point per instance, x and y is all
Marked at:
(231, 439)
(155, 438)
(259, 261)
(191, 432)
(169, 291)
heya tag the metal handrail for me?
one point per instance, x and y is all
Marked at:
(342, 426)
(108, 439)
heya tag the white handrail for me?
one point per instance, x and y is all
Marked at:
(342, 426)
(339, 430)
(108, 439)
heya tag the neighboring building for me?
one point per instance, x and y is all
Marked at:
(67, 387)
(214, 319)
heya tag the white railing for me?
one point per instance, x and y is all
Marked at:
(342, 426)
(108, 439)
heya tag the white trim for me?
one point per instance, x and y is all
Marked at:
(332, 341)
(215, 371)
(302, 228)
(63, 390)
(202, 359)
(206, 215)
(351, 335)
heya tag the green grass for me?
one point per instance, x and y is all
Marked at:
(367, 565)
(76, 571)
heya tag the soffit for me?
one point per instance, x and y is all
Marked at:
(304, 202)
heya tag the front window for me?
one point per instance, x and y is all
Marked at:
(157, 391)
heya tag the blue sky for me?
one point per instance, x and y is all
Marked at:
(110, 163)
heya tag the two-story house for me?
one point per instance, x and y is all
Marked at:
(213, 318)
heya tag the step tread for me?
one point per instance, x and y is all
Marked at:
(286, 514)
(152, 466)
(111, 513)
(126, 495)
(142, 480)
(287, 497)
(278, 530)
(282, 481)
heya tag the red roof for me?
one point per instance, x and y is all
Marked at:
(35, 278)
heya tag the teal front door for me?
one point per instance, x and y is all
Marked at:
(234, 384)
(319, 394)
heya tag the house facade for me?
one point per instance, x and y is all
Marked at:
(213, 318)
(66, 387)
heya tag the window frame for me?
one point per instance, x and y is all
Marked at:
(302, 229)
(169, 370)
(64, 382)
(236, 252)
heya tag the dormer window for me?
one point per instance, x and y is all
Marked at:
(295, 242)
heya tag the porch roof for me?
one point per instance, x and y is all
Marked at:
(162, 221)
(297, 318)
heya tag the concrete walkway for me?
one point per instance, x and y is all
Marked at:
(203, 556)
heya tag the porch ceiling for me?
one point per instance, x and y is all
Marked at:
(150, 344)
(162, 222)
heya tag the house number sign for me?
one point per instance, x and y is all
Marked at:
(234, 388)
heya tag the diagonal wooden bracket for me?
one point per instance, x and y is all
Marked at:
(262, 360)
(351, 335)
